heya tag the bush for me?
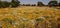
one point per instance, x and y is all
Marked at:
(27, 4)
(23, 4)
(33, 4)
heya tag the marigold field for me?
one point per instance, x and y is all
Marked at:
(29, 17)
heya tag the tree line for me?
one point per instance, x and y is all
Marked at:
(50, 4)
(16, 3)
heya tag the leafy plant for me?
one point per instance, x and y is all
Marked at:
(40, 19)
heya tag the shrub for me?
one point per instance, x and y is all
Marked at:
(33, 4)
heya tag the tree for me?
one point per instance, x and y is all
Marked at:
(59, 3)
(53, 3)
(4, 4)
(40, 4)
(15, 3)
(24, 5)
(27, 4)
(0, 4)
(33, 5)
(7, 4)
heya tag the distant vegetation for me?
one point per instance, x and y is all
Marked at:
(16, 3)
(40, 4)
(53, 3)
(4, 4)
(13, 3)
(59, 3)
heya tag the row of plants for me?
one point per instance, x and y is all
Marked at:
(51, 3)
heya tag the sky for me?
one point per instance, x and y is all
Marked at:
(32, 1)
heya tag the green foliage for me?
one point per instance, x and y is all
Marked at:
(15, 3)
(0, 4)
(40, 20)
(4, 4)
(40, 4)
(59, 3)
(53, 3)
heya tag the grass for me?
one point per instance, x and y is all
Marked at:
(25, 16)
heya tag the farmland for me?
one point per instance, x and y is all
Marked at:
(29, 17)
